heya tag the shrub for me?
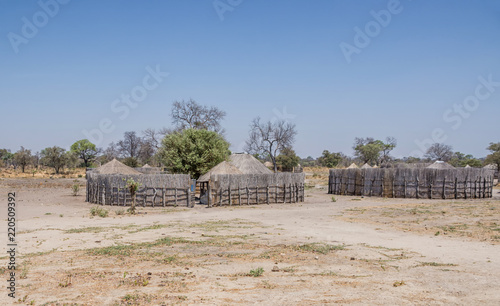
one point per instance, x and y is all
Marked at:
(76, 189)
(256, 272)
(99, 211)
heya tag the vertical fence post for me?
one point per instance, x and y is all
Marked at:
(465, 188)
(248, 196)
(416, 187)
(267, 194)
(382, 188)
(393, 187)
(209, 195)
(455, 188)
(175, 197)
(220, 196)
(239, 195)
(229, 194)
(154, 197)
(189, 196)
(444, 187)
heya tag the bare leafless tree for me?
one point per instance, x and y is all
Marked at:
(109, 153)
(191, 115)
(439, 151)
(130, 145)
(269, 138)
(152, 137)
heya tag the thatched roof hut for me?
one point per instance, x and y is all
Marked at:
(491, 167)
(353, 166)
(440, 165)
(222, 168)
(115, 167)
(467, 166)
(366, 166)
(146, 166)
(269, 164)
(248, 164)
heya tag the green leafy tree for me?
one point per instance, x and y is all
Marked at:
(54, 157)
(23, 158)
(287, 159)
(494, 157)
(461, 160)
(85, 150)
(329, 160)
(6, 156)
(368, 150)
(193, 151)
(308, 162)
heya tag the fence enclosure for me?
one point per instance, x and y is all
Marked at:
(413, 183)
(154, 190)
(248, 189)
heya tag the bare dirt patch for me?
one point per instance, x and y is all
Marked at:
(474, 219)
(280, 254)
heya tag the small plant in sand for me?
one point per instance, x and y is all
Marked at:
(75, 188)
(99, 211)
(132, 187)
(256, 272)
(333, 199)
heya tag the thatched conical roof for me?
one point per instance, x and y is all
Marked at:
(269, 164)
(146, 166)
(467, 166)
(353, 166)
(248, 164)
(115, 167)
(440, 165)
(491, 167)
(366, 166)
(222, 168)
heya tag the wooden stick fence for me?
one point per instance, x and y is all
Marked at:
(413, 183)
(250, 189)
(155, 190)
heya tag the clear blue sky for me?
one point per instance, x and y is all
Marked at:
(262, 58)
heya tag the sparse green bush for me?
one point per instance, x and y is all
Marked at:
(75, 188)
(333, 199)
(120, 212)
(256, 272)
(132, 187)
(99, 211)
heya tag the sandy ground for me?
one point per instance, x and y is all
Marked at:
(354, 251)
